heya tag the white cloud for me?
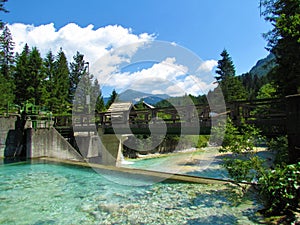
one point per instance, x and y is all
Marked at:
(207, 66)
(164, 77)
(88, 41)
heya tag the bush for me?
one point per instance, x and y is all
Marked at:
(244, 169)
(240, 140)
(242, 165)
(281, 188)
(280, 146)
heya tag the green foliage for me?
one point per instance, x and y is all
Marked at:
(284, 42)
(35, 77)
(231, 86)
(6, 68)
(244, 168)
(6, 53)
(77, 71)
(2, 9)
(193, 141)
(20, 76)
(6, 90)
(99, 104)
(225, 67)
(28, 76)
(61, 84)
(242, 165)
(268, 90)
(113, 97)
(279, 145)
(47, 98)
(240, 140)
(281, 188)
(202, 141)
(233, 89)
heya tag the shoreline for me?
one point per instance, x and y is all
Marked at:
(205, 162)
(161, 155)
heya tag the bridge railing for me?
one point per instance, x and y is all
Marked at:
(183, 114)
(267, 114)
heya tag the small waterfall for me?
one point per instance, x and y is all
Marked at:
(123, 161)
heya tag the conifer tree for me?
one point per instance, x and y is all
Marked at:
(48, 98)
(3, 10)
(112, 98)
(35, 77)
(99, 104)
(28, 76)
(21, 79)
(225, 67)
(231, 86)
(61, 84)
(81, 85)
(77, 71)
(284, 42)
(6, 68)
(6, 52)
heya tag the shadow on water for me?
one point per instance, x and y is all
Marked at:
(207, 168)
(45, 222)
(217, 219)
(228, 197)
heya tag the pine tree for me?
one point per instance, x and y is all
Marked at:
(112, 98)
(48, 98)
(3, 10)
(99, 105)
(231, 86)
(35, 76)
(225, 67)
(28, 76)
(284, 42)
(81, 86)
(6, 52)
(77, 71)
(61, 84)
(21, 79)
(6, 68)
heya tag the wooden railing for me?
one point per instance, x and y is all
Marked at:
(274, 117)
(267, 114)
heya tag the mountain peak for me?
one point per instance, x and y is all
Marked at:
(264, 66)
(134, 96)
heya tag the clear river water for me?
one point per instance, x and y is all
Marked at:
(46, 193)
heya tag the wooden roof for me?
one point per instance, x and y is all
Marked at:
(120, 106)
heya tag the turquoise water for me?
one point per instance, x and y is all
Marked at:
(200, 163)
(59, 194)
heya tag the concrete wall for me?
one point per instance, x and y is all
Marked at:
(49, 143)
(6, 124)
(103, 149)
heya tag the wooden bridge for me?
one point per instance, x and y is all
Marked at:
(275, 117)
(270, 115)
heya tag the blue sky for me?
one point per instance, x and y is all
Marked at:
(204, 27)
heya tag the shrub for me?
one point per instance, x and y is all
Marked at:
(243, 169)
(280, 146)
(240, 140)
(281, 188)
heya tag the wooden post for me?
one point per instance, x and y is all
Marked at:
(293, 127)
